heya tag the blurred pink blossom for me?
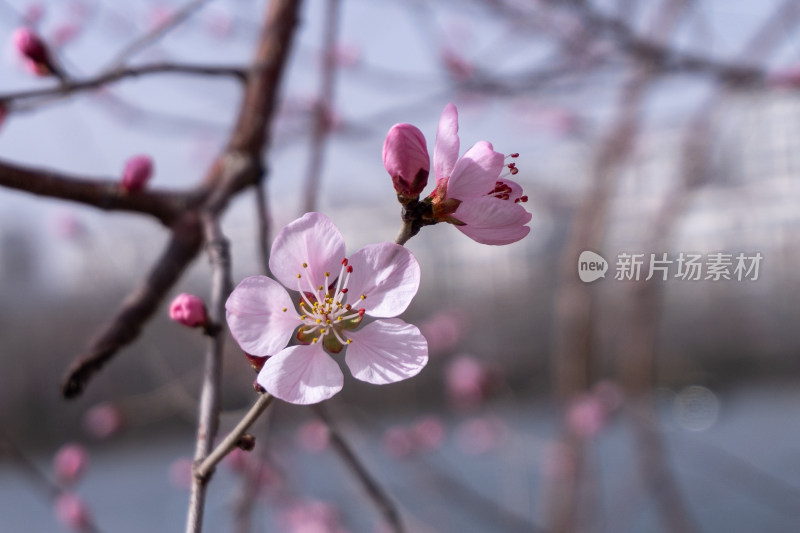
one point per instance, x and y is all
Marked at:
(429, 433)
(398, 442)
(64, 33)
(102, 420)
(137, 172)
(480, 435)
(459, 68)
(34, 13)
(70, 462)
(189, 310)
(469, 381)
(313, 436)
(180, 473)
(69, 227)
(346, 55)
(785, 78)
(72, 512)
(312, 517)
(586, 415)
(444, 330)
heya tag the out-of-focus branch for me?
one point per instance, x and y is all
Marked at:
(156, 33)
(375, 492)
(73, 85)
(51, 489)
(103, 194)
(238, 167)
(139, 306)
(264, 230)
(208, 417)
(323, 107)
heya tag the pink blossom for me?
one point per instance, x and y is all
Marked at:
(137, 172)
(586, 416)
(458, 67)
(70, 462)
(313, 436)
(336, 293)
(102, 420)
(312, 517)
(444, 330)
(33, 50)
(180, 473)
(405, 158)
(467, 381)
(471, 193)
(72, 512)
(34, 12)
(189, 310)
(398, 442)
(428, 432)
(480, 435)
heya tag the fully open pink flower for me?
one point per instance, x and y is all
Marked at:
(470, 191)
(336, 292)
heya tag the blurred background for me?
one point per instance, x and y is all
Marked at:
(549, 404)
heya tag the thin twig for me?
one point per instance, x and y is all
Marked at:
(208, 418)
(155, 34)
(108, 77)
(203, 470)
(264, 228)
(323, 108)
(376, 493)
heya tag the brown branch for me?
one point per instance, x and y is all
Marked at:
(103, 194)
(101, 80)
(375, 492)
(208, 418)
(264, 230)
(323, 107)
(139, 306)
(237, 168)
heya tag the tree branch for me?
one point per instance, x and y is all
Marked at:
(138, 307)
(103, 194)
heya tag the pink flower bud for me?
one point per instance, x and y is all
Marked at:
(138, 170)
(30, 46)
(405, 157)
(189, 310)
(70, 462)
(72, 512)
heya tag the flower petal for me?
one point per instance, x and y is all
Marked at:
(301, 374)
(311, 239)
(476, 172)
(387, 274)
(445, 149)
(493, 221)
(386, 351)
(256, 316)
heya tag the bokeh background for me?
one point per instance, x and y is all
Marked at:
(548, 404)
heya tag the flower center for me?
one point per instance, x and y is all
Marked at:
(324, 310)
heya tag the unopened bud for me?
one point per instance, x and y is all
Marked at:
(189, 310)
(138, 170)
(257, 362)
(405, 158)
(246, 442)
(31, 47)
